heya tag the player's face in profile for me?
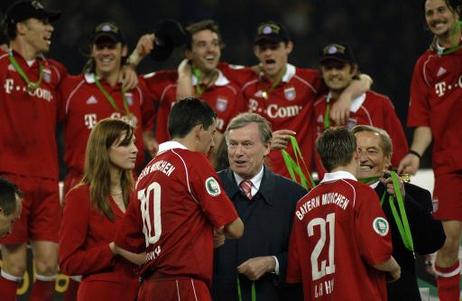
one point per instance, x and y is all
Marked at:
(7, 221)
(37, 33)
(122, 153)
(206, 138)
(273, 57)
(107, 55)
(337, 75)
(246, 150)
(372, 160)
(205, 51)
(439, 17)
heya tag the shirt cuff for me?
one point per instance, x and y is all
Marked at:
(276, 266)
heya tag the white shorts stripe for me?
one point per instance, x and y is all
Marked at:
(194, 290)
(177, 290)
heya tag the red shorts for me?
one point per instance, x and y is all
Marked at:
(447, 196)
(184, 289)
(106, 290)
(41, 213)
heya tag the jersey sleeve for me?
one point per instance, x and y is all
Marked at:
(74, 259)
(372, 227)
(294, 274)
(208, 191)
(129, 234)
(419, 109)
(148, 111)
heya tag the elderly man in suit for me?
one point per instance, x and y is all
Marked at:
(255, 264)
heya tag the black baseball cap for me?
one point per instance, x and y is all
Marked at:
(23, 10)
(169, 35)
(271, 32)
(337, 52)
(107, 30)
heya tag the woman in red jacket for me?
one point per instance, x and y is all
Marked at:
(91, 214)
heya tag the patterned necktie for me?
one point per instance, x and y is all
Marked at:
(246, 187)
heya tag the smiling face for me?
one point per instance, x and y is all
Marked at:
(122, 153)
(246, 151)
(107, 55)
(372, 159)
(36, 33)
(337, 75)
(205, 50)
(273, 57)
(440, 18)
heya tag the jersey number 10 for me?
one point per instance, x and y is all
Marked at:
(325, 267)
(150, 198)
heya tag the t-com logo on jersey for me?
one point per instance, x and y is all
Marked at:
(275, 111)
(41, 93)
(442, 87)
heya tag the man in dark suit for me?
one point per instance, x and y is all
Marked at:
(266, 203)
(375, 149)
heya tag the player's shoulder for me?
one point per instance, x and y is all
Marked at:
(165, 75)
(320, 101)
(374, 96)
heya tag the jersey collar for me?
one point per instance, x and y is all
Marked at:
(220, 81)
(163, 147)
(355, 103)
(338, 175)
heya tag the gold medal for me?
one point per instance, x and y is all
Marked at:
(264, 94)
(31, 87)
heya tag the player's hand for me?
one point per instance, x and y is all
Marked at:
(184, 68)
(218, 237)
(395, 275)
(388, 182)
(281, 139)
(144, 46)
(340, 110)
(409, 164)
(254, 268)
(128, 78)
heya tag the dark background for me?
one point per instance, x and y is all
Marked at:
(386, 36)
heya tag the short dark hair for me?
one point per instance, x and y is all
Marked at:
(336, 147)
(8, 194)
(194, 28)
(186, 114)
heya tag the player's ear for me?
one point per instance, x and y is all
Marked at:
(289, 47)
(188, 54)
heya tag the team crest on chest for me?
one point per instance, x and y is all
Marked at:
(47, 75)
(290, 93)
(129, 98)
(222, 104)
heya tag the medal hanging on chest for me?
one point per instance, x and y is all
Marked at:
(30, 85)
(110, 99)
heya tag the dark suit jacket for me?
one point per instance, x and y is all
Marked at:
(268, 220)
(427, 234)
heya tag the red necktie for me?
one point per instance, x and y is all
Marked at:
(246, 187)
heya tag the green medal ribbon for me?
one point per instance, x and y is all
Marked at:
(326, 116)
(110, 99)
(239, 292)
(452, 49)
(294, 168)
(400, 217)
(31, 86)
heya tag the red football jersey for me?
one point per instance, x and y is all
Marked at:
(339, 231)
(28, 118)
(289, 105)
(84, 105)
(223, 97)
(436, 93)
(372, 109)
(179, 203)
